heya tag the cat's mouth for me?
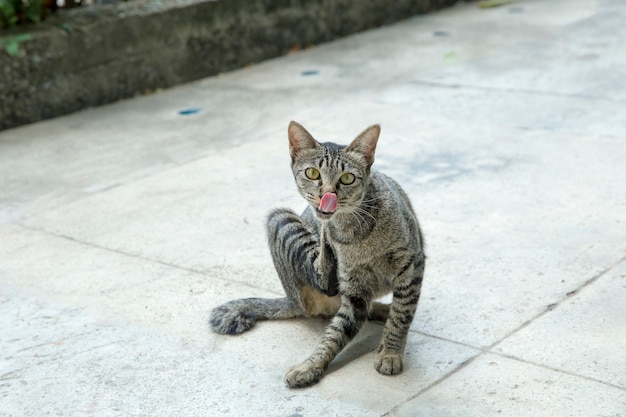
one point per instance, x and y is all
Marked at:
(323, 214)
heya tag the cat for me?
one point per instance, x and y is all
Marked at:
(357, 240)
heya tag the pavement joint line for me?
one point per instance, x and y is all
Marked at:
(562, 371)
(518, 359)
(444, 339)
(56, 341)
(106, 188)
(549, 308)
(514, 90)
(54, 358)
(483, 352)
(552, 306)
(456, 370)
(489, 349)
(463, 365)
(14, 374)
(139, 257)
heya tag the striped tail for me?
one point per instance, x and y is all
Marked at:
(237, 316)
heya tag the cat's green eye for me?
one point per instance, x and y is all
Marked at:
(312, 173)
(347, 178)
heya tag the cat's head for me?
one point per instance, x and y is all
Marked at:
(332, 178)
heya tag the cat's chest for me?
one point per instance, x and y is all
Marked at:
(349, 235)
(362, 255)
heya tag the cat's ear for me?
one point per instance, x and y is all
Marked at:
(299, 139)
(365, 143)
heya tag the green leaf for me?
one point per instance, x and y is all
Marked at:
(34, 16)
(12, 45)
(485, 4)
(13, 48)
(66, 27)
(13, 20)
(8, 16)
(22, 37)
(450, 56)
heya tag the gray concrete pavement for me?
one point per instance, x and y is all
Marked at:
(122, 226)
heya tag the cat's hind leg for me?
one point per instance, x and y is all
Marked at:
(303, 268)
(307, 269)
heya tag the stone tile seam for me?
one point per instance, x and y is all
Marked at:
(549, 308)
(483, 352)
(113, 186)
(517, 358)
(562, 371)
(445, 377)
(553, 306)
(464, 364)
(139, 257)
(14, 374)
(445, 339)
(62, 357)
(489, 349)
(62, 340)
(514, 90)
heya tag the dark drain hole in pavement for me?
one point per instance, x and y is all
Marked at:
(188, 112)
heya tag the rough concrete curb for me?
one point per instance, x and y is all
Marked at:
(92, 56)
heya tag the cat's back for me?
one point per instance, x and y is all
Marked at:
(389, 193)
(396, 223)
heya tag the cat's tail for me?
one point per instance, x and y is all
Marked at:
(237, 316)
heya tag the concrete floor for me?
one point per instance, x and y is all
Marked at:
(122, 226)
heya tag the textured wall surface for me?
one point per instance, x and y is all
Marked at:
(110, 53)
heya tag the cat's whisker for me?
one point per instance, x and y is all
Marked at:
(363, 223)
(358, 219)
(370, 200)
(363, 207)
(360, 210)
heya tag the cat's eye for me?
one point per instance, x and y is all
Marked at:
(312, 173)
(347, 178)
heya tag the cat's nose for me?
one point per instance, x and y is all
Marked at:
(327, 189)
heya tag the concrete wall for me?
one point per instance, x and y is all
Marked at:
(109, 53)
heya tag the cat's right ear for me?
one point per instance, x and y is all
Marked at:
(365, 143)
(299, 139)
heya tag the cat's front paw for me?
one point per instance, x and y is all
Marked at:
(303, 375)
(388, 363)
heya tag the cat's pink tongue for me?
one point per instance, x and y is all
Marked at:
(328, 203)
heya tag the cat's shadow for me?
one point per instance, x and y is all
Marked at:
(365, 342)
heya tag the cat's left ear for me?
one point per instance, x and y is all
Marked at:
(365, 143)
(299, 139)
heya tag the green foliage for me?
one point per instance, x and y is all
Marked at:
(13, 12)
(16, 12)
(8, 16)
(12, 45)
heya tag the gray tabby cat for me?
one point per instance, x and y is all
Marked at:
(357, 240)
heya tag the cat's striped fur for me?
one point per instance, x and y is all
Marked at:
(336, 263)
